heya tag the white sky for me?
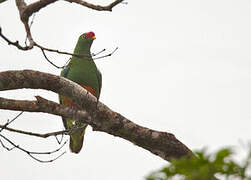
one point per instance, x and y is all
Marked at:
(182, 67)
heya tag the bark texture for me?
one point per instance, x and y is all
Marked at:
(99, 116)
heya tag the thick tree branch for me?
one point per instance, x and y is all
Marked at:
(34, 7)
(46, 106)
(43, 105)
(102, 119)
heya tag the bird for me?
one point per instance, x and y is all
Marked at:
(83, 71)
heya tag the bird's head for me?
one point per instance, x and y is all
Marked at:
(87, 38)
(84, 43)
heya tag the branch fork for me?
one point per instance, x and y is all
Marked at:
(25, 11)
(99, 116)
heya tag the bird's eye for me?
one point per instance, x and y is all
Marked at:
(83, 36)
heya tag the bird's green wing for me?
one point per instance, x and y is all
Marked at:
(99, 76)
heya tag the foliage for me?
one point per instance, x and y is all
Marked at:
(205, 167)
(2, 1)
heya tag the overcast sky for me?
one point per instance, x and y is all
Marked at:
(182, 67)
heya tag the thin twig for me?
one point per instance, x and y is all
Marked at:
(33, 17)
(95, 54)
(46, 135)
(5, 147)
(36, 6)
(8, 122)
(50, 152)
(62, 52)
(43, 49)
(32, 153)
(34, 134)
(28, 33)
(25, 11)
(107, 54)
(96, 7)
(77, 55)
(59, 67)
(59, 141)
(32, 21)
(24, 48)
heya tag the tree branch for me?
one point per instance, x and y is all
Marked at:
(32, 153)
(43, 105)
(96, 7)
(8, 122)
(35, 134)
(24, 48)
(43, 49)
(102, 118)
(25, 11)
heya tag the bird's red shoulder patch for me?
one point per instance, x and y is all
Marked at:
(89, 89)
(69, 103)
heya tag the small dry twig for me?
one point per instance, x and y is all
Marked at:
(30, 153)
(8, 122)
(107, 55)
(35, 134)
(25, 11)
(43, 49)
(16, 43)
(46, 135)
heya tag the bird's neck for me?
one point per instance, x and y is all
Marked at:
(82, 51)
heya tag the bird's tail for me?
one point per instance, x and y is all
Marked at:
(77, 139)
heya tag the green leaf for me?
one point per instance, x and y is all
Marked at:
(1, 1)
(204, 167)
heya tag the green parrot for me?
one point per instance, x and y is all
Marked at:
(84, 72)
